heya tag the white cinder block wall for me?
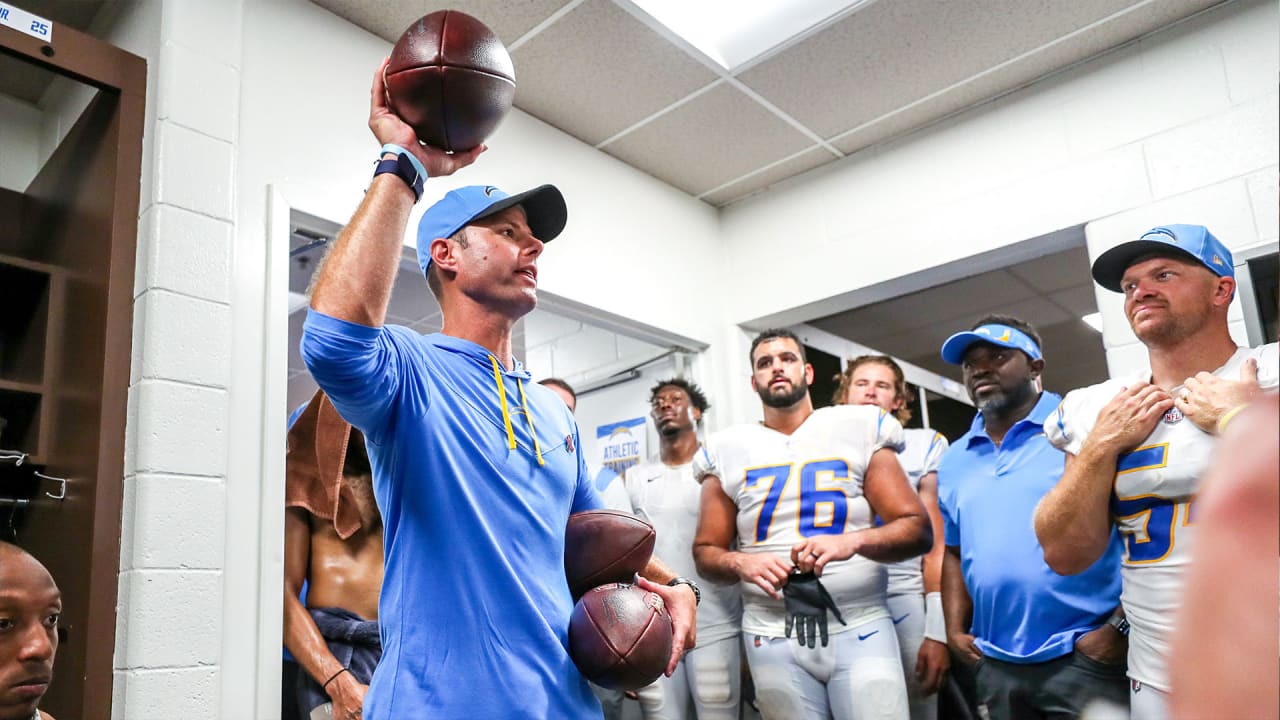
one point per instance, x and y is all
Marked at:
(170, 645)
(1180, 127)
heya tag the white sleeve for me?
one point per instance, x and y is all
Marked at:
(705, 462)
(937, 447)
(615, 495)
(888, 434)
(1065, 427)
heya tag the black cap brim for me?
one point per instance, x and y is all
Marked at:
(544, 210)
(1108, 269)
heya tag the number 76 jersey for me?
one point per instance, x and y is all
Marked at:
(791, 487)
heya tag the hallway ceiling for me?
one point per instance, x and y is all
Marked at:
(604, 72)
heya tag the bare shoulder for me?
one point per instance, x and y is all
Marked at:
(45, 716)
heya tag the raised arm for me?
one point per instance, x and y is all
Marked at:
(356, 278)
(1073, 520)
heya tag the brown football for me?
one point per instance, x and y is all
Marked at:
(605, 546)
(450, 78)
(620, 636)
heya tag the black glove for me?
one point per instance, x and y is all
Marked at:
(807, 603)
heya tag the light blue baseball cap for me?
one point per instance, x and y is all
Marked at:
(1194, 241)
(544, 210)
(995, 334)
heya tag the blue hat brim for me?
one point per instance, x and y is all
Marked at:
(544, 210)
(954, 348)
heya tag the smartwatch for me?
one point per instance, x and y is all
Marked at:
(1120, 623)
(697, 594)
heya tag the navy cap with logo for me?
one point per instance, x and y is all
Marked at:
(1195, 242)
(544, 210)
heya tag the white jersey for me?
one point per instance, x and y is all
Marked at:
(1152, 505)
(670, 499)
(924, 448)
(611, 488)
(789, 487)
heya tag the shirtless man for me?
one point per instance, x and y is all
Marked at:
(343, 578)
(30, 604)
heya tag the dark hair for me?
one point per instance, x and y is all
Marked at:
(696, 397)
(356, 462)
(774, 334)
(900, 386)
(557, 382)
(1012, 322)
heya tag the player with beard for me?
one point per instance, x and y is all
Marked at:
(1039, 644)
(796, 495)
(1137, 446)
(664, 491)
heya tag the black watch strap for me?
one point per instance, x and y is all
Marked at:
(401, 167)
(697, 593)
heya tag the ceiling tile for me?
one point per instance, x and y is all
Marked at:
(678, 148)
(509, 19)
(1056, 271)
(916, 112)
(740, 189)
(1079, 300)
(890, 54)
(597, 71)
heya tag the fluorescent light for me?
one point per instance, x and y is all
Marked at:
(734, 32)
(1093, 320)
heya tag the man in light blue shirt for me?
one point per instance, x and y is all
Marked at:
(475, 468)
(1041, 644)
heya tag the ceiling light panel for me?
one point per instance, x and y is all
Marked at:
(732, 33)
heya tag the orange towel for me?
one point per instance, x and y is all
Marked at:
(317, 448)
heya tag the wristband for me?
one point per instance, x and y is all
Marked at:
(935, 625)
(393, 149)
(402, 169)
(1228, 416)
(333, 677)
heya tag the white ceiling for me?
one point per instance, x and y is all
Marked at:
(607, 74)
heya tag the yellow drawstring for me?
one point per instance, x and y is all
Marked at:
(502, 397)
(528, 413)
(506, 414)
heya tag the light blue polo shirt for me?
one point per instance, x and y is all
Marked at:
(1023, 612)
(476, 470)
